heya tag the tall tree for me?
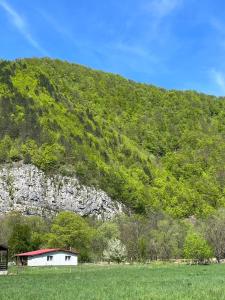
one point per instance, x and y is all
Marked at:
(215, 233)
(70, 230)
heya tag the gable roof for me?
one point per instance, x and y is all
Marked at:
(43, 251)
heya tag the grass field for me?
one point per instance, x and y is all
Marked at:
(164, 282)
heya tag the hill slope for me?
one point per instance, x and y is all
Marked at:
(147, 147)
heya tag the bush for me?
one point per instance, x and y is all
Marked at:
(115, 251)
(197, 248)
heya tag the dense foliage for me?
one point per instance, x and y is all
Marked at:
(126, 238)
(147, 147)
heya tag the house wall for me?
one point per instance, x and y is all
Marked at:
(58, 259)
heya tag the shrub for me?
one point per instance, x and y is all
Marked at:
(197, 248)
(115, 251)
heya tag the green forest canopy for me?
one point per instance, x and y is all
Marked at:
(147, 147)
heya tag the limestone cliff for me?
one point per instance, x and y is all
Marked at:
(29, 190)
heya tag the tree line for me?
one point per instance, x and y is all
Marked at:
(134, 238)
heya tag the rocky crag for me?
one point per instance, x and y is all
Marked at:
(29, 190)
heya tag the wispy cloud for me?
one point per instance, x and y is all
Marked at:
(136, 50)
(219, 79)
(62, 30)
(161, 8)
(217, 24)
(159, 14)
(219, 28)
(55, 24)
(21, 25)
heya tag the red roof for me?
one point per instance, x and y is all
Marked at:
(43, 251)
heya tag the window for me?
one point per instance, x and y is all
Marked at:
(49, 258)
(67, 257)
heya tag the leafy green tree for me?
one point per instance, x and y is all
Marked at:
(39, 229)
(48, 156)
(70, 230)
(5, 147)
(14, 153)
(197, 248)
(20, 239)
(30, 151)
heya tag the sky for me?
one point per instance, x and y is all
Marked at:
(175, 44)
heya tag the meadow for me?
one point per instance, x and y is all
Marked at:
(164, 282)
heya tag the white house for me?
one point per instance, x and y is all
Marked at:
(48, 257)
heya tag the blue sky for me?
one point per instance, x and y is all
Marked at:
(176, 44)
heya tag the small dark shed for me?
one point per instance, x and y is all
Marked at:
(3, 258)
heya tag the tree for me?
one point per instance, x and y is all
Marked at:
(4, 230)
(102, 234)
(167, 240)
(197, 248)
(5, 146)
(20, 239)
(48, 156)
(214, 229)
(115, 251)
(134, 233)
(70, 230)
(7, 224)
(39, 228)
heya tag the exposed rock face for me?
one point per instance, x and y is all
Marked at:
(27, 189)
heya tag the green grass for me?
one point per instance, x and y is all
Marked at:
(164, 282)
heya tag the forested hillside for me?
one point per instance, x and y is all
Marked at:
(147, 147)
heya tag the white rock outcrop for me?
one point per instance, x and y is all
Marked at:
(29, 190)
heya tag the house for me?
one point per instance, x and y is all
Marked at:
(48, 257)
(3, 260)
